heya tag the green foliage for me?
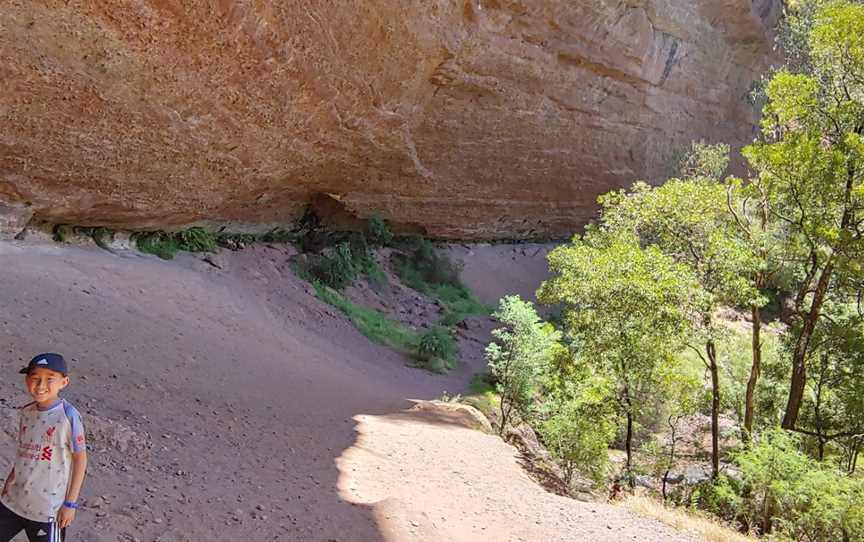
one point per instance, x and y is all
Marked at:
(522, 351)
(161, 244)
(370, 268)
(580, 429)
(721, 497)
(335, 268)
(810, 169)
(378, 232)
(423, 269)
(625, 311)
(789, 493)
(834, 398)
(705, 161)
(423, 266)
(459, 303)
(370, 323)
(688, 220)
(195, 240)
(167, 244)
(437, 349)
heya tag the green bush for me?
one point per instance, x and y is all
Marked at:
(160, 243)
(578, 435)
(335, 268)
(438, 348)
(378, 231)
(721, 497)
(422, 266)
(195, 240)
(788, 493)
(458, 303)
(167, 244)
(522, 351)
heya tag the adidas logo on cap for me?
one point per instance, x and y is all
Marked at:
(42, 361)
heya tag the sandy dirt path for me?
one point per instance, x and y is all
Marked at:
(230, 404)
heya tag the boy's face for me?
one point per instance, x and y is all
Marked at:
(44, 385)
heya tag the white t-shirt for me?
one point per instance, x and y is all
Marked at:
(46, 440)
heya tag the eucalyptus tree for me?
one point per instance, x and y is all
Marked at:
(833, 405)
(624, 312)
(518, 357)
(690, 220)
(809, 168)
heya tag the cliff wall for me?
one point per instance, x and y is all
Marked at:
(461, 118)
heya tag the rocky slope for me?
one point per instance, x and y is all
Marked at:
(460, 118)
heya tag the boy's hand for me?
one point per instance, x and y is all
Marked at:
(65, 517)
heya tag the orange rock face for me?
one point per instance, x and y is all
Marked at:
(466, 119)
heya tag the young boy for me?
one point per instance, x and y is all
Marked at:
(40, 495)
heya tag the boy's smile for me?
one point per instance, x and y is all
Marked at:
(44, 385)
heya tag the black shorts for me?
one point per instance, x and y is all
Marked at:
(12, 524)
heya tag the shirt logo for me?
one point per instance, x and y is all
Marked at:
(46, 453)
(50, 431)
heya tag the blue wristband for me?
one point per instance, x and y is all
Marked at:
(70, 504)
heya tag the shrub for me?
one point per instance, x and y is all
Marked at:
(335, 268)
(578, 435)
(437, 344)
(195, 240)
(166, 245)
(423, 266)
(160, 243)
(787, 492)
(458, 303)
(522, 351)
(378, 231)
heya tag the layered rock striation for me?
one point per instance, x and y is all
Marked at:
(460, 118)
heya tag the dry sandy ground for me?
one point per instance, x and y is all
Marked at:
(229, 404)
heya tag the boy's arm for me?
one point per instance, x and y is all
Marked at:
(65, 515)
(9, 481)
(76, 480)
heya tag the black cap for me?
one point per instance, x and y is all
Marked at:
(55, 362)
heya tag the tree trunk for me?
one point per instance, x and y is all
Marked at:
(629, 446)
(755, 371)
(505, 416)
(673, 438)
(711, 350)
(802, 347)
(628, 443)
(817, 409)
